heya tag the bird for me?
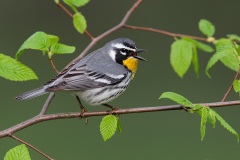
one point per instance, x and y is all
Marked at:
(99, 77)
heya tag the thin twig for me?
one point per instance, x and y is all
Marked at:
(41, 118)
(71, 15)
(164, 32)
(65, 9)
(46, 105)
(111, 30)
(31, 146)
(89, 34)
(230, 88)
(53, 66)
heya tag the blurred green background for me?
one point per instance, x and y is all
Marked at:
(161, 135)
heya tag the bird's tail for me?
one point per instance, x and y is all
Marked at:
(31, 94)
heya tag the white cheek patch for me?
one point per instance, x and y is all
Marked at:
(112, 54)
(121, 46)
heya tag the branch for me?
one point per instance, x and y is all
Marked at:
(164, 32)
(71, 15)
(42, 118)
(113, 29)
(230, 88)
(46, 104)
(31, 146)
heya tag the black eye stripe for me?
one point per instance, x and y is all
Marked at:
(120, 57)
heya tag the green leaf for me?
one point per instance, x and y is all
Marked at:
(231, 60)
(226, 53)
(234, 37)
(206, 27)
(108, 126)
(195, 54)
(181, 56)
(204, 47)
(68, 2)
(236, 85)
(119, 126)
(211, 117)
(177, 98)
(58, 48)
(204, 116)
(46, 43)
(225, 124)
(79, 22)
(52, 39)
(14, 70)
(195, 61)
(213, 60)
(238, 50)
(76, 3)
(198, 109)
(18, 153)
(38, 41)
(199, 45)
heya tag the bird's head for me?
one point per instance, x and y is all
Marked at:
(125, 52)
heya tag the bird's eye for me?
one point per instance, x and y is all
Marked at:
(123, 50)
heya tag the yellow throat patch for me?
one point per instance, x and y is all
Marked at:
(131, 64)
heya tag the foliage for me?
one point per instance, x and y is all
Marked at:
(184, 51)
(18, 153)
(225, 52)
(181, 56)
(206, 27)
(236, 85)
(79, 21)
(109, 125)
(207, 114)
(14, 70)
(45, 43)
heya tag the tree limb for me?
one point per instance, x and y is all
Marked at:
(42, 118)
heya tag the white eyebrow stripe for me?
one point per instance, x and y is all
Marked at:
(119, 46)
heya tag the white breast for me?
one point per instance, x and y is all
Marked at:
(105, 94)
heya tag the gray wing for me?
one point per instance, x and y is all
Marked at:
(82, 78)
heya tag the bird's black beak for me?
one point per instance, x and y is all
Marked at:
(138, 57)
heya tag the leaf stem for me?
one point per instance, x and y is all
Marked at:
(53, 66)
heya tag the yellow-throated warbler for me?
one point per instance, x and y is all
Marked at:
(99, 77)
